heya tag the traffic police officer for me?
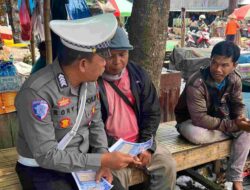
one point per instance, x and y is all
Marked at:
(50, 104)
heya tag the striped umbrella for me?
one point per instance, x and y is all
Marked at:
(122, 7)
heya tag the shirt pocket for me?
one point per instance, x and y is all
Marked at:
(64, 117)
(88, 114)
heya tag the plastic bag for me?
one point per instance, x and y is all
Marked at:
(37, 22)
(77, 9)
(25, 22)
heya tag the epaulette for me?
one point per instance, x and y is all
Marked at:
(39, 81)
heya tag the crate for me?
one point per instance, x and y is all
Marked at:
(7, 100)
(10, 83)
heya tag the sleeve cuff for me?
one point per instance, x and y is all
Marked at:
(94, 160)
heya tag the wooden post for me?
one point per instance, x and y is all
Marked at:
(183, 26)
(48, 41)
(32, 48)
(32, 41)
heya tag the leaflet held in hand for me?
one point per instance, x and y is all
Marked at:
(130, 148)
(85, 180)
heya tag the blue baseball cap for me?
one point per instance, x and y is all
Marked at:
(120, 40)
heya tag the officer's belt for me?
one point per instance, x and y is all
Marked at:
(27, 161)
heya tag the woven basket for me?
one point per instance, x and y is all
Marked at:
(7, 100)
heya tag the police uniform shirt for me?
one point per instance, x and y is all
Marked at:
(47, 108)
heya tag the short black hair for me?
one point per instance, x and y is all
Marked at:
(227, 49)
(41, 46)
(67, 56)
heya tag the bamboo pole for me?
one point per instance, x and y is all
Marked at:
(48, 41)
(183, 26)
(32, 48)
(32, 41)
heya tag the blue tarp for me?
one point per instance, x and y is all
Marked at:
(244, 58)
(77, 9)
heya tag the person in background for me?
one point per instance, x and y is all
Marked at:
(231, 28)
(210, 108)
(131, 111)
(216, 27)
(62, 101)
(41, 62)
(201, 23)
(193, 26)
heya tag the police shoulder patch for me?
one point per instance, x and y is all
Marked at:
(40, 109)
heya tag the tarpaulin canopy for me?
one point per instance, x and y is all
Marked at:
(241, 12)
(122, 7)
(247, 17)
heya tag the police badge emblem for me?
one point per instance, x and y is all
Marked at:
(40, 109)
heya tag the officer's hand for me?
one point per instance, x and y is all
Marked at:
(145, 157)
(117, 160)
(243, 123)
(105, 173)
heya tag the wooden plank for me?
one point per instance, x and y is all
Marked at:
(8, 130)
(8, 177)
(200, 155)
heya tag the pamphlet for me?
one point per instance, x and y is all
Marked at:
(85, 180)
(130, 148)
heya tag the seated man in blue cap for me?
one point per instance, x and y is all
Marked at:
(131, 111)
(61, 130)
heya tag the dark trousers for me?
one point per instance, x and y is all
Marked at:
(230, 38)
(37, 178)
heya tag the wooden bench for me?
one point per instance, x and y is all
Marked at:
(8, 176)
(186, 155)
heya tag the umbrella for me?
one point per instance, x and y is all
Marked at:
(241, 12)
(122, 7)
(247, 17)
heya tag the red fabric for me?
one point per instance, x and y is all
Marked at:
(6, 36)
(117, 11)
(25, 22)
(241, 12)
